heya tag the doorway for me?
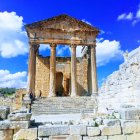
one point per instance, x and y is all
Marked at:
(59, 84)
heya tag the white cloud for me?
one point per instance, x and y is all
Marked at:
(138, 13)
(108, 51)
(13, 40)
(61, 50)
(125, 16)
(16, 80)
(135, 17)
(44, 47)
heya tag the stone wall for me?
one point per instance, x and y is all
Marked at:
(63, 66)
(122, 87)
(14, 102)
(14, 129)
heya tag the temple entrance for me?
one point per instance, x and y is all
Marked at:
(59, 84)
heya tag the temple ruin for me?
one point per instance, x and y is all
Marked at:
(55, 76)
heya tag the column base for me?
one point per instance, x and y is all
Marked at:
(51, 95)
(73, 95)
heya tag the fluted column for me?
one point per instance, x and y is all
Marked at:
(73, 71)
(93, 71)
(32, 68)
(52, 71)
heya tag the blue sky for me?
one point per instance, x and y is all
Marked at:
(119, 22)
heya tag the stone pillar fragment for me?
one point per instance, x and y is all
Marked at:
(93, 71)
(73, 71)
(52, 71)
(32, 68)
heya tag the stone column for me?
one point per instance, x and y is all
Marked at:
(32, 68)
(93, 71)
(52, 71)
(73, 71)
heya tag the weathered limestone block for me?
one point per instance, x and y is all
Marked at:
(110, 130)
(130, 113)
(6, 134)
(77, 129)
(44, 131)
(4, 111)
(93, 131)
(95, 138)
(110, 127)
(133, 137)
(19, 116)
(130, 127)
(4, 124)
(29, 134)
(19, 124)
(117, 137)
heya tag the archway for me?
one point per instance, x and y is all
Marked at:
(59, 84)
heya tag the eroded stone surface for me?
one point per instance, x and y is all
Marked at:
(78, 130)
(130, 127)
(6, 134)
(29, 134)
(19, 116)
(4, 111)
(93, 131)
(53, 130)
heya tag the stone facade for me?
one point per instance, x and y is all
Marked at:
(121, 88)
(63, 78)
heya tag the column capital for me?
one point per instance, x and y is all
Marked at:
(34, 47)
(53, 45)
(73, 46)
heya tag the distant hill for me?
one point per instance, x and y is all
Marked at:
(7, 91)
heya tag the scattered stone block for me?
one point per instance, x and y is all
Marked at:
(44, 131)
(4, 124)
(29, 134)
(110, 127)
(6, 134)
(93, 131)
(19, 116)
(130, 127)
(77, 129)
(19, 124)
(4, 111)
(95, 138)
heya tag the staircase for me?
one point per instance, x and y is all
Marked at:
(63, 105)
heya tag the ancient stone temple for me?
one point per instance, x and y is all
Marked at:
(56, 76)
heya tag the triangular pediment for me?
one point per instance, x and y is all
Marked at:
(62, 22)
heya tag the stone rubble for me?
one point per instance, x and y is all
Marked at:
(121, 88)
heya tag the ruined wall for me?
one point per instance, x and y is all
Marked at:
(15, 101)
(122, 87)
(63, 65)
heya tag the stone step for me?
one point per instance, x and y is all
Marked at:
(63, 105)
